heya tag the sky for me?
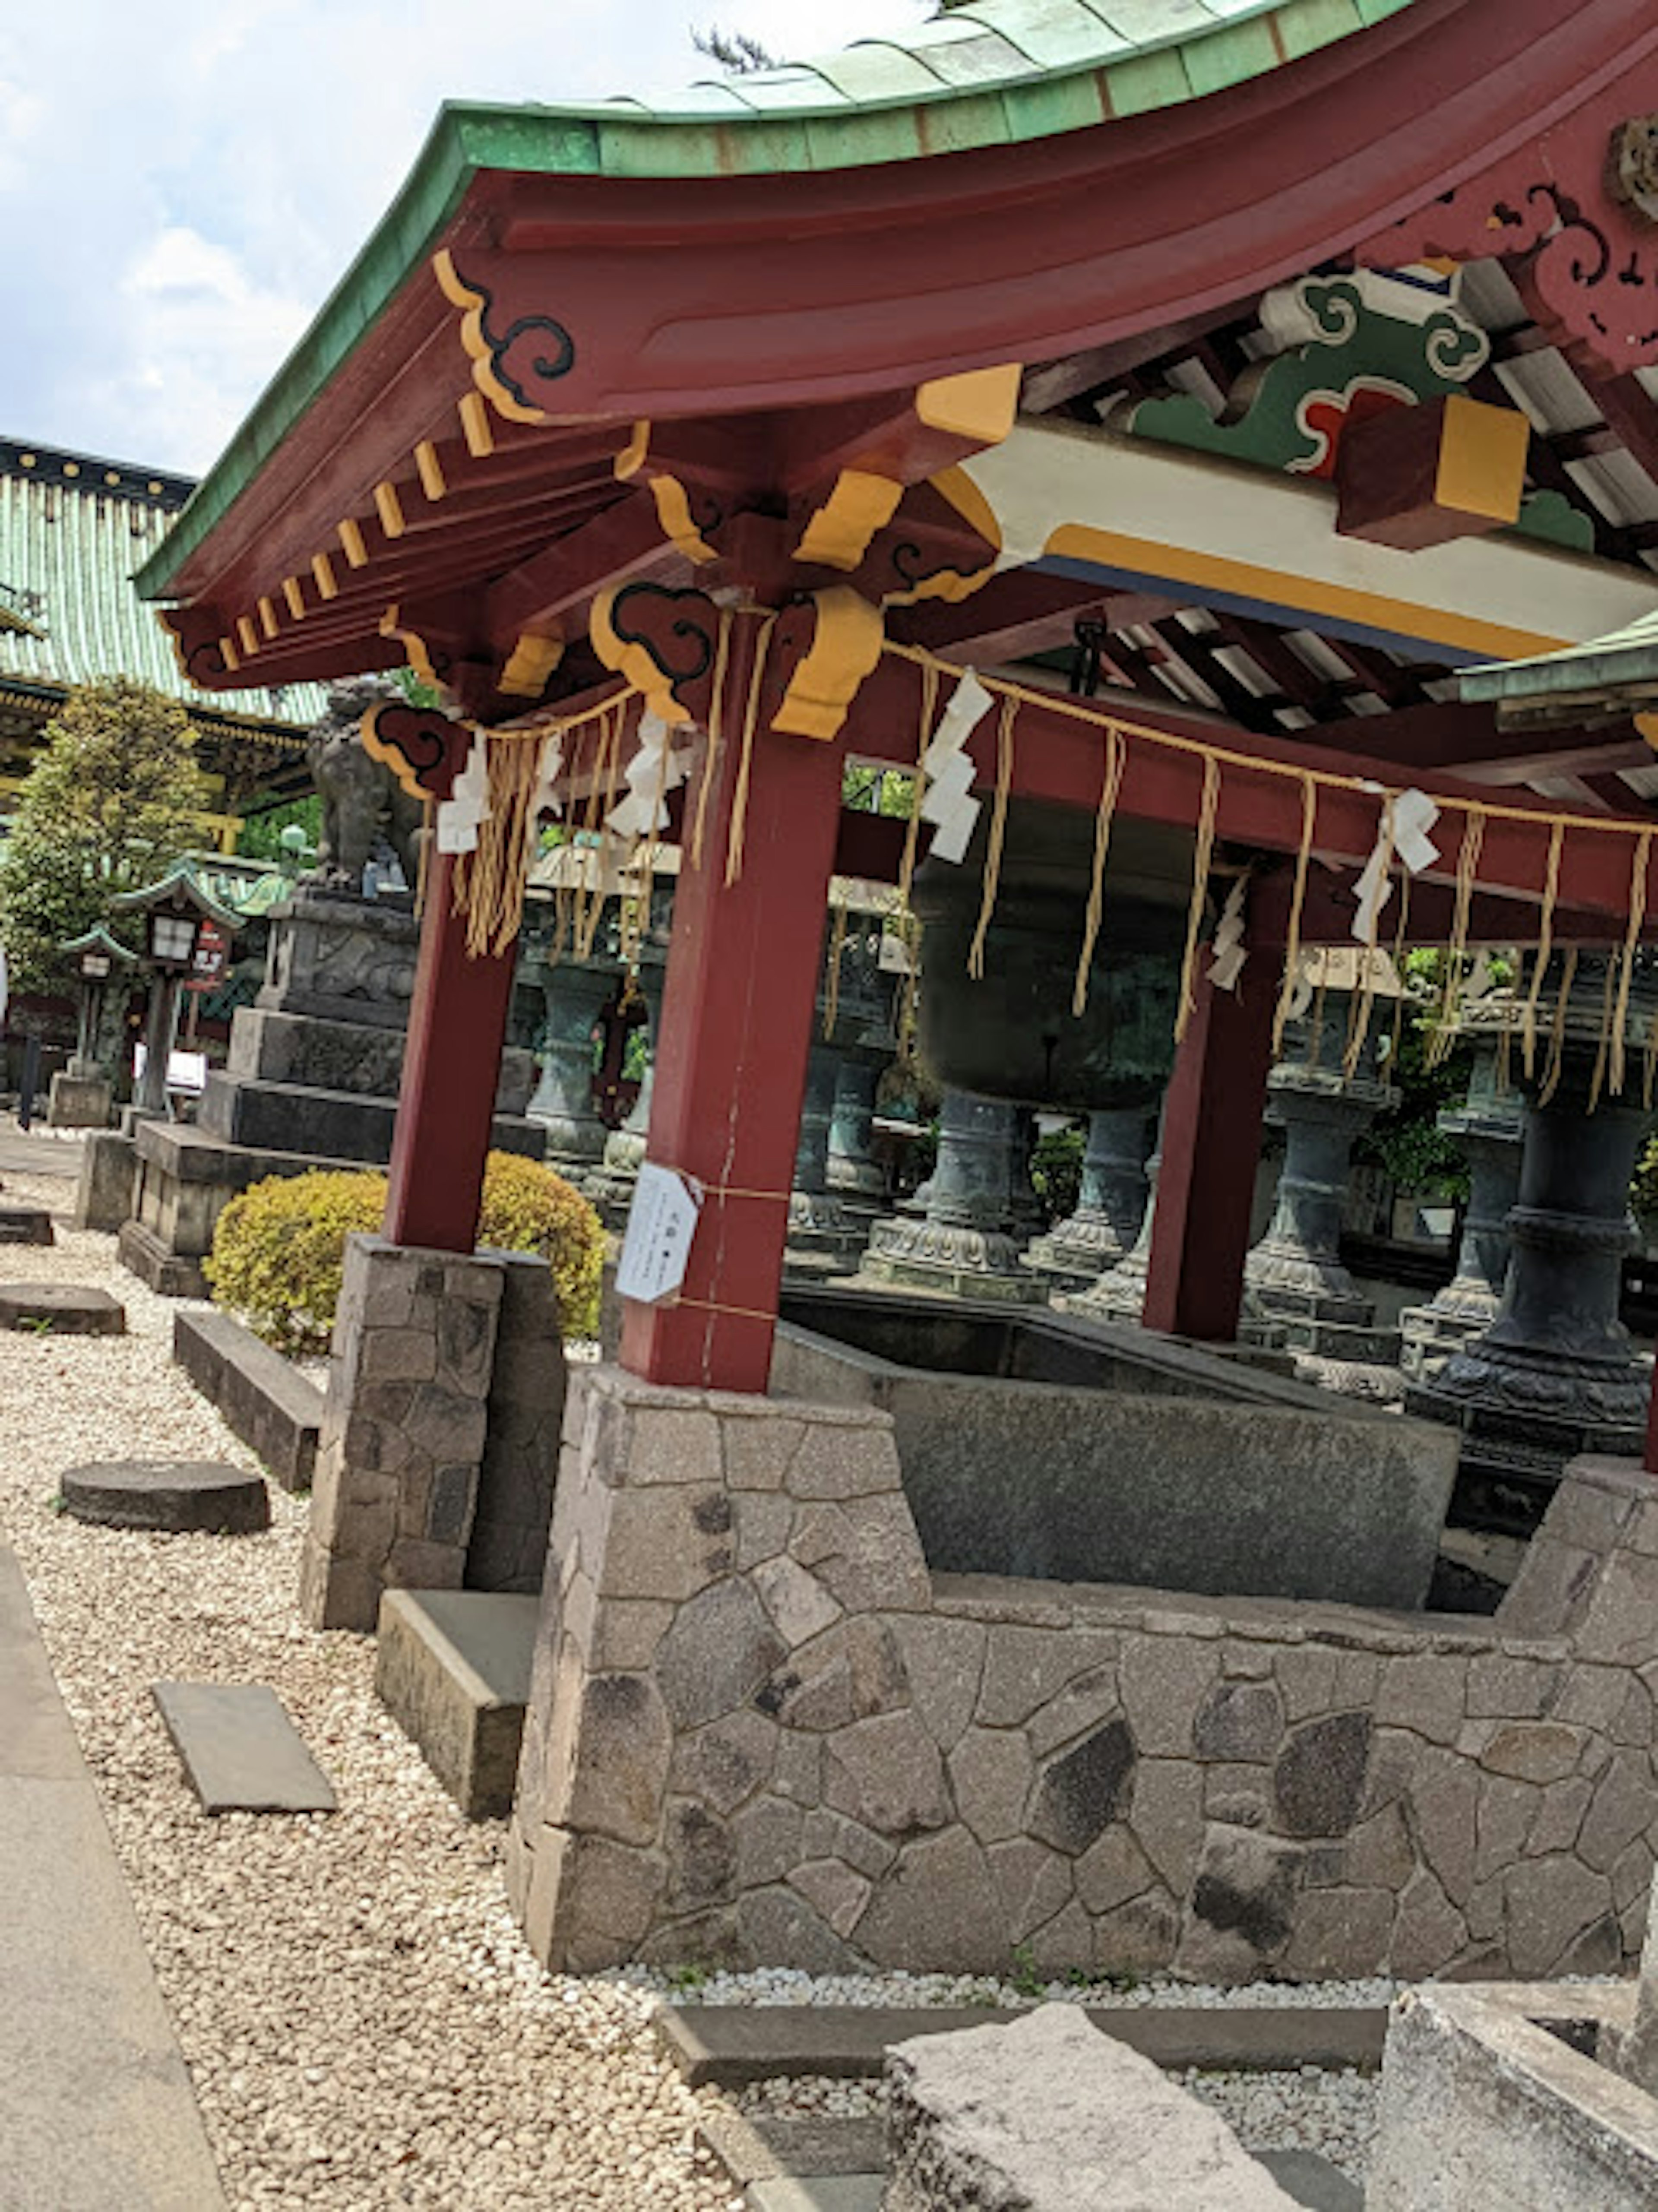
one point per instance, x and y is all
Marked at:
(182, 185)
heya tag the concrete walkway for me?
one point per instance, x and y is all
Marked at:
(96, 2110)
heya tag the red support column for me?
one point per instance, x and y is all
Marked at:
(738, 1009)
(1649, 1457)
(451, 1069)
(1211, 1133)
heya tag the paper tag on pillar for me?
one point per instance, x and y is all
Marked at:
(661, 1222)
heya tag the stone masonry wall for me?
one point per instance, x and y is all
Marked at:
(403, 1428)
(761, 1733)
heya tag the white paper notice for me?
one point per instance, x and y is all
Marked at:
(661, 1222)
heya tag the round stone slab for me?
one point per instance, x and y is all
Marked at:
(61, 1310)
(25, 1224)
(179, 1494)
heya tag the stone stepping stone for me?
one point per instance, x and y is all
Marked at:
(25, 1224)
(61, 1310)
(1313, 2180)
(200, 1495)
(239, 1751)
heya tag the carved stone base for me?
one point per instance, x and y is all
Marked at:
(824, 1239)
(1077, 1252)
(1432, 1334)
(959, 1262)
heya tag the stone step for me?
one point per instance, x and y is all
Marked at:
(766, 2145)
(823, 2192)
(337, 1125)
(731, 2044)
(61, 1310)
(25, 1224)
(240, 1752)
(453, 1671)
(202, 1496)
(261, 1397)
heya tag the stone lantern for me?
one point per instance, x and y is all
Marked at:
(1296, 1274)
(179, 919)
(83, 1093)
(1008, 1038)
(1490, 1127)
(1556, 1374)
(1112, 1205)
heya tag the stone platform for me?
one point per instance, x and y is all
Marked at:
(311, 1081)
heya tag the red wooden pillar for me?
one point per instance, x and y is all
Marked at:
(1649, 1457)
(1211, 1133)
(738, 1008)
(451, 1069)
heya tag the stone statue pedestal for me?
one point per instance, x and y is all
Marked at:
(311, 1081)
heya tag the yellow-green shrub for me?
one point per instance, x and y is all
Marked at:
(528, 1208)
(279, 1250)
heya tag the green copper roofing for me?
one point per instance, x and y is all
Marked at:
(183, 878)
(67, 548)
(1625, 661)
(997, 73)
(98, 940)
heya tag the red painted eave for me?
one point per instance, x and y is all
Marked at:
(714, 296)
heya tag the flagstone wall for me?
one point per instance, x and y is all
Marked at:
(761, 1733)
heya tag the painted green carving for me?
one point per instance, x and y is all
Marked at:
(1352, 346)
(1550, 516)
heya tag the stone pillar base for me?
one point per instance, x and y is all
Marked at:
(104, 1195)
(79, 1102)
(404, 1430)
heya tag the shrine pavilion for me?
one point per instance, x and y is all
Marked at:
(1145, 409)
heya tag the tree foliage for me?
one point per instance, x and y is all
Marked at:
(113, 799)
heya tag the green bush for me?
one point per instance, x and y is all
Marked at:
(279, 1250)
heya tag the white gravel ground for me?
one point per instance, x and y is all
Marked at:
(363, 2025)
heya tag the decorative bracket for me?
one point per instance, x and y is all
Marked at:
(421, 746)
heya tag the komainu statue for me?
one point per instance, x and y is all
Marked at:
(364, 807)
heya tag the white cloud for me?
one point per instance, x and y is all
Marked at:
(180, 189)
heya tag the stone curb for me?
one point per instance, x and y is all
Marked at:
(731, 2046)
(261, 1398)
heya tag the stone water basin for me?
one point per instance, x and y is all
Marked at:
(1039, 1444)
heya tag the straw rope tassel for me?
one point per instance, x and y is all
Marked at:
(1398, 971)
(1550, 1082)
(1359, 1014)
(750, 719)
(1638, 914)
(1207, 808)
(1467, 874)
(722, 655)
(917, 791)
(1545, 946)
(1297, 900)
(1116, 754)
(975, 957)
(837, 945)
(1603, 1048)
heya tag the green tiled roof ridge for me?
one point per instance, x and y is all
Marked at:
(996, 72)
(71, 549)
